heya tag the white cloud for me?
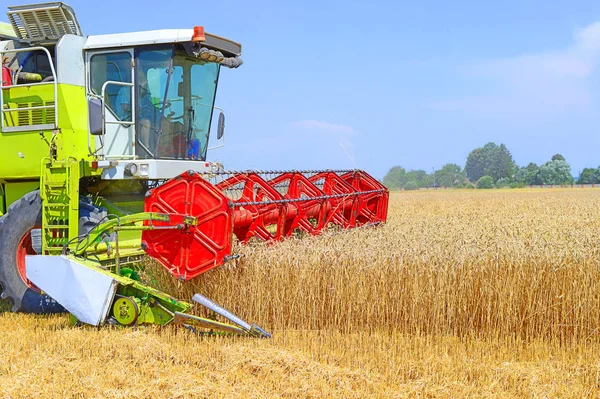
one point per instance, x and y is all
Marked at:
(533, 84)
(312, 124)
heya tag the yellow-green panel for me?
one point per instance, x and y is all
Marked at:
(6, 30)
(22, 152)
(15, 190)
(73, 122)
(16, 98)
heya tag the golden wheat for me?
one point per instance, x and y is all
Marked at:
(461, 293)
(520, 264)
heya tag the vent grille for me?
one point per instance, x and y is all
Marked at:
(49, 112)
(46, 22)
(23, 115)
(35, 116)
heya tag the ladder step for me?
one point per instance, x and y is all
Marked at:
(57, 250)
(55, 242)
(56, 165)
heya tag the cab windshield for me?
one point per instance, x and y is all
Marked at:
(175, 95)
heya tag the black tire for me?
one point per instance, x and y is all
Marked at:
(22, 216)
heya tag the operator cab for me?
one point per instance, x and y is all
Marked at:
(167, 97)
(157, 99)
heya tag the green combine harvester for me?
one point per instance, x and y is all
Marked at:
(103, 149)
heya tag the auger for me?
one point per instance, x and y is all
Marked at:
(103, 149)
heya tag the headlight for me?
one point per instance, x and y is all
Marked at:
(131, 169)
(144, 170)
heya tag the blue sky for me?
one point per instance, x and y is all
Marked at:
(343, 84)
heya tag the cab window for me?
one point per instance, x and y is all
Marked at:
(113, 67)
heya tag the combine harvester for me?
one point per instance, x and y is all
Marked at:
(103, 149)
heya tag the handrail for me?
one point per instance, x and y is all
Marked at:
(55, 83)
(103, 94)
(103, 99)
(29, 108)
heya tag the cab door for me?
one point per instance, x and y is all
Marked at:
(110, 79)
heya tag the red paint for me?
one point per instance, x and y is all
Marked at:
(6, 76)
(25, 248)
(268, 210)
(191, 252)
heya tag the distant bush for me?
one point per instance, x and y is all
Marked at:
(503, 182)
(411, 185)
(469, 186)
(485, 182)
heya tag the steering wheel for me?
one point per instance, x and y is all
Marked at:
(158, 107)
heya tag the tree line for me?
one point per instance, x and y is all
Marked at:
(490, 166)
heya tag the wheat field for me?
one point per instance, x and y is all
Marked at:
(461, 294)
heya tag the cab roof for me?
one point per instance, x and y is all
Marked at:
(228, 47)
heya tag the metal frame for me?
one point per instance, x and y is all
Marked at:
(88, 82)
(105, 122)
(6, 129)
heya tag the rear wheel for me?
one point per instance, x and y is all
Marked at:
(16, 226)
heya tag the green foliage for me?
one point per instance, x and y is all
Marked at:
(450, 175)
(503, 182)
(492, 160)
(485, 182)
(411, 185)
(395, 178)
(469, 186)
(420, 177)
(555, 172)
(589, 176)
(528, 175)
(475, 166)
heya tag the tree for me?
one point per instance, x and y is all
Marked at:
(411, 185)
(449, 175)
(502, 182)
(420, 177)
(558, 157)
(492, 160)
(502, 164)
(395, 178)
(475, 166)
(485, 182)
(588, 176)
(528, 175)
(555, 172)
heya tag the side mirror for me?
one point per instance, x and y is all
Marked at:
(221, 126)
(95, 116)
